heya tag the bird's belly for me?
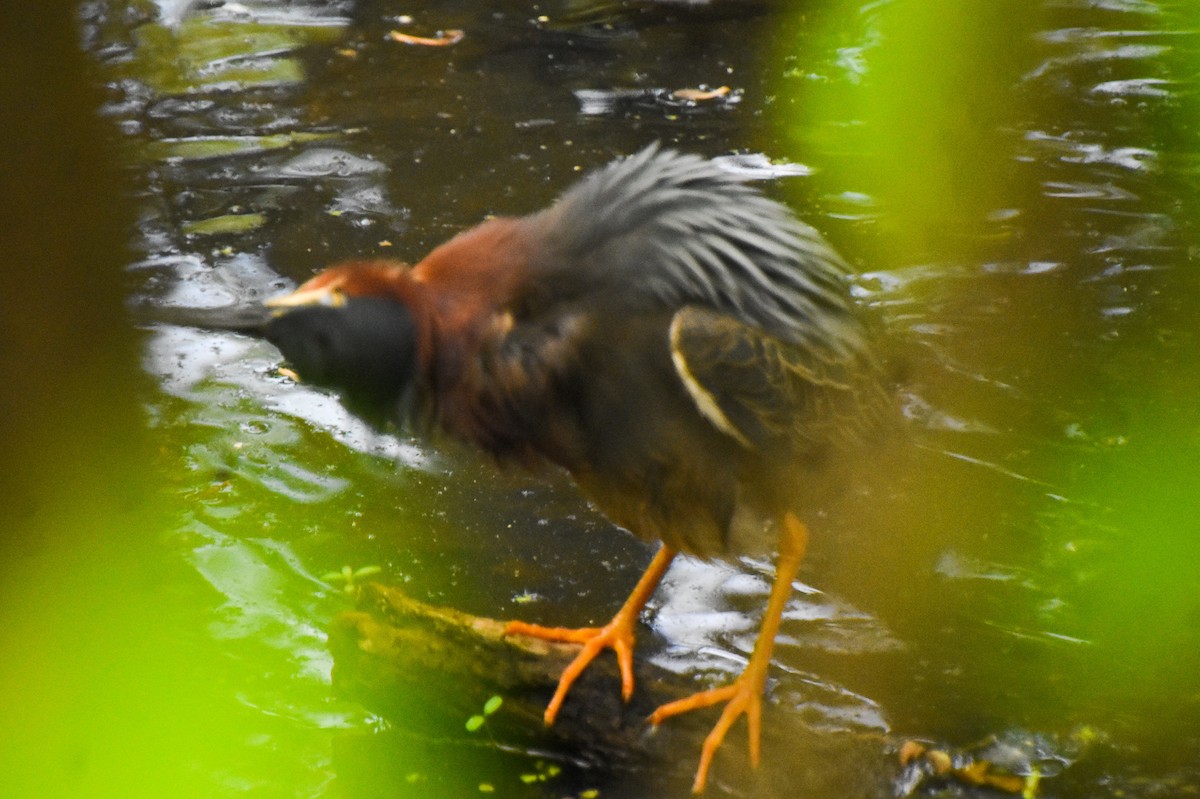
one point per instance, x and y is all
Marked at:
(692, 499)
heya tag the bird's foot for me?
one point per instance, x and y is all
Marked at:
(616, 635)
(743, 695)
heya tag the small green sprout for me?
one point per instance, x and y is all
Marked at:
(489, 707)
(352, 577)
(545, 771)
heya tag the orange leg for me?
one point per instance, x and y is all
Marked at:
(744, 695)
(617, 635)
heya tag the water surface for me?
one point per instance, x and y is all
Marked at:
(1018, 193)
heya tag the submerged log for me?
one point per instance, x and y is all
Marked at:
(429, 669)
(397, 655)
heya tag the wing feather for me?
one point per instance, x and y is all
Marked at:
(765, 392)
(665, 230)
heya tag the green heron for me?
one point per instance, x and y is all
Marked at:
(680, 344)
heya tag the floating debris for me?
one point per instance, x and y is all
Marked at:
(443, 39)
(701, 94)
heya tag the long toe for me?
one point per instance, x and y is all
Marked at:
(743, 695)
(617, 635)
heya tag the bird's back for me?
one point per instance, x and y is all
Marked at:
(666, 229)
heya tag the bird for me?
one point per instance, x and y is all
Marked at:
(681, 345)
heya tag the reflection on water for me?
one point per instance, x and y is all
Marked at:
(1025, 571)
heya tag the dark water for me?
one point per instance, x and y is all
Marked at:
(1017, 186)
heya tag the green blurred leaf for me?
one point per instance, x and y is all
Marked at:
(916, 103)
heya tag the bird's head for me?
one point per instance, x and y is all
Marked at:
(351, 330)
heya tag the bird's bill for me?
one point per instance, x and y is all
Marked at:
(320, 295)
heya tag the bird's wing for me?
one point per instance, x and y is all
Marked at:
(765, 392)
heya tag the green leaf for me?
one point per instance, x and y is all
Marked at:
(217, 225)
